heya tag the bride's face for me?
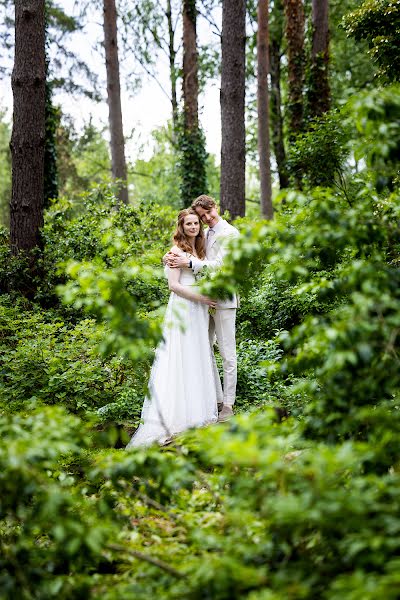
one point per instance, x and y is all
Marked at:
(191, 226)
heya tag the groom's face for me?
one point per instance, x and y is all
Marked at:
(209, 216)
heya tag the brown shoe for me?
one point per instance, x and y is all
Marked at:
(225, 414)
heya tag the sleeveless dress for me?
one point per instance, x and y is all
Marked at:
(183, 384)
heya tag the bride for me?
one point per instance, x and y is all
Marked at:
(184, 384)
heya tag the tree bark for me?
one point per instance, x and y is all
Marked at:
(172, 69)
(114, 98)
(319, 90)
(233, 155)
(276, 114)
(294, 12)
(190, 83)
(28, 133)
(275, 52)
(263, 109)
(192, 143)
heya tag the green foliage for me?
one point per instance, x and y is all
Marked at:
(262, 506)
(347, 353)
(53, 531)
(83, 230)
(157, 178)
(104, 292)
(318, 156)
(254, 387)
(83, 158)
(44, 359)
(351, 68)
(246, 511)
(192, 165)
(377, 118)
(378, 22)
(268, 517)
(367, 127)
(271, 305)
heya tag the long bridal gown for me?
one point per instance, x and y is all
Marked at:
(184, 383)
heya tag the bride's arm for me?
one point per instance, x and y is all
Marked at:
(186, 291)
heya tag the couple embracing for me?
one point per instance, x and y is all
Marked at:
(184, 388)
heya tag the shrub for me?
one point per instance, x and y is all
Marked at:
(47, 360)
(254, 387)
(53, 531)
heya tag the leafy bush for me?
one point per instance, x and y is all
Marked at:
(92, 229)
(47, 360)
(377, 21)
(271, 305)
(318, 156)
(376, 115)
(254, 387)
(84, 230)
(53, 531)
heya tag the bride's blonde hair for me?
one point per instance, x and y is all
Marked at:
(181, 240)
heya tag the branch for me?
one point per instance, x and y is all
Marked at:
(149, 559)
(133, 172)
(211, 21)
(153, 77)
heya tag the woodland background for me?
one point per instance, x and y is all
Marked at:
(297, 496)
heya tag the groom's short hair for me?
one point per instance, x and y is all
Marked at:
(204, 201)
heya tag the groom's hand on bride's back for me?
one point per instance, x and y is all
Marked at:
(175, 260)
(166, 259)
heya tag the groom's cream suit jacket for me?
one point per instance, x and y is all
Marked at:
(217, 240)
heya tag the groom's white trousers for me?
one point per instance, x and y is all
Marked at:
(222, 325)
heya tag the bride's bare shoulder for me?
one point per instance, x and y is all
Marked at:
(177, 250)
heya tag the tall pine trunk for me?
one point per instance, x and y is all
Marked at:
(193, 160)
(52, 119)
(190, 83)
(319, 90)
(263, 109)
(172, 69)
(114, 98)
(294, 12)
(28, 133)
(233, 154)
(275, 51)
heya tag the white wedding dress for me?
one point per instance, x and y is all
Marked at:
(184, 383)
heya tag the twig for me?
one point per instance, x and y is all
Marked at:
(149, 559)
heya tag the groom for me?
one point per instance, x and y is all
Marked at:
(222, 323)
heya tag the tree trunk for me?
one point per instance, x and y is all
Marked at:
(276, 114)
(263, 109)
(114, 98)
(190, 83)
(172, 69)
(28, 134)
(52, 120)
(276, 34)
(192, 142)
(319, 91)
(233, 154)
(294, 12)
